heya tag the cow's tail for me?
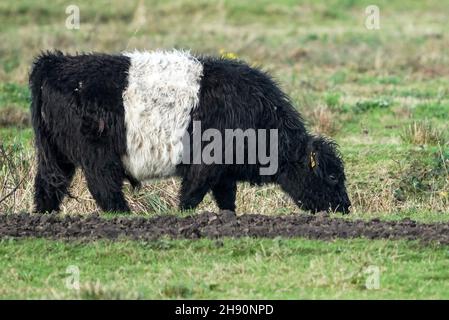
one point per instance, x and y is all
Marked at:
(40, 68)
(36, 84)
(47, 153)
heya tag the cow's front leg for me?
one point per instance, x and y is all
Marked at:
(192, 193)
(197, 180)
(224, 193)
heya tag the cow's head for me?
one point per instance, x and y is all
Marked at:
(317, 181)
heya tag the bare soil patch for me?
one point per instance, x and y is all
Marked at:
(213, 225)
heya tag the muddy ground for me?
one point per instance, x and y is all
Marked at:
(212, 225)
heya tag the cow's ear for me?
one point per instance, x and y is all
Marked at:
(313, 161)
(314, 155)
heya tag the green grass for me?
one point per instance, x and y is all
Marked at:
(229, 269)
(372, 85)
(14, 94)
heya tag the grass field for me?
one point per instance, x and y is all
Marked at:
(383, 95)
(228, 269)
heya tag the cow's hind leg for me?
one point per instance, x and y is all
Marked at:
(105, 181)
(224, 193)
(53, 177)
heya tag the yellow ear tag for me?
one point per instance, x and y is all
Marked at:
(312, 160)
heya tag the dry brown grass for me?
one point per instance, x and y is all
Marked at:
(423, 133)
(15, 179)
(14, 117)
(383, 202)
(323, 121)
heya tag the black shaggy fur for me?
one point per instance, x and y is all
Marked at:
(78, 120)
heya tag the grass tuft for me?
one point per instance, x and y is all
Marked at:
(423, 132)
(324, 121)
(424, 178)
